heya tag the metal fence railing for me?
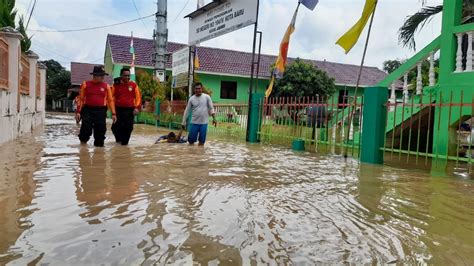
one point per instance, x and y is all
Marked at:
(231, 118)
(431, 126)
(322, 122)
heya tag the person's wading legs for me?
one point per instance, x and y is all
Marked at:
(116, 129)
(125, 117)
(100, 127)
(202, 134)
(193, 133)
(86, 126)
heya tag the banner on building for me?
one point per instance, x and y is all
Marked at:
(180, 68)
(223, 18)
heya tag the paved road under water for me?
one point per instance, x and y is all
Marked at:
(229, 203)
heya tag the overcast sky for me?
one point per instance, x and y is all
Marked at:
(314, 38)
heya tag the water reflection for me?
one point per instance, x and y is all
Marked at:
(17, 188)
(229, 203)
(91, 183)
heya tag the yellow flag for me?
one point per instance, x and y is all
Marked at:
(197, 64)
(270, 87)
(349, 39)
(282, 58)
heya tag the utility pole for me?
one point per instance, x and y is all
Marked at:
(161, 41)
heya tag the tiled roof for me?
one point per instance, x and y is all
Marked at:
(232, 62)
(81, 72)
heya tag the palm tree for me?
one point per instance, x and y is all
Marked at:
(417, 21)
(7, 13)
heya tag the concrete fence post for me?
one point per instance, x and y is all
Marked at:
(373, 128)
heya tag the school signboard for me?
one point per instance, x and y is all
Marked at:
(180, 68)
(225, 17)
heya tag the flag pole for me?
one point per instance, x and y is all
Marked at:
(351, 108)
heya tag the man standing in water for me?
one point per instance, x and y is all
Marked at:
(94, 97)
(200, 104)
(127, 99)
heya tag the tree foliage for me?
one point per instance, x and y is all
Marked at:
(303, 79)
(417, 21)
(151, 89)
(181, 94)
(26, 41)
(391, 65)
(7, 13)
(58, 80)
(7, 19)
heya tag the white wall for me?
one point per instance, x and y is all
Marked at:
(20, 114)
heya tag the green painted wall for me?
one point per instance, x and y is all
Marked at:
(108, 61)
(213, 83)
(452, 87)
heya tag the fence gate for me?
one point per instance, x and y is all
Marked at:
(321, 122)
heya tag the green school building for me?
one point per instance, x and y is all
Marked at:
(227, 72)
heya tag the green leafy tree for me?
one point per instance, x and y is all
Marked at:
(7, 13)
(151, 89)
(181, 94)
(391, 65)
(26, 41)
(7, 19)
(58, 80)
(303, 79)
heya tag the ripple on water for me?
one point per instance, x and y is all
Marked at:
(228, 203)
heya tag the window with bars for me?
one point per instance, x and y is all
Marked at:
(229, 90)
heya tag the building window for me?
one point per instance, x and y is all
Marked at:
(229, 90)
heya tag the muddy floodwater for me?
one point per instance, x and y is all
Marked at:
(226, 204)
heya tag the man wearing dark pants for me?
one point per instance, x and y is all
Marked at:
(95, 95)
(127, 99)
(200, 104)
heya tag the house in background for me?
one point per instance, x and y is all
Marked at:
(81, 72)
(227, 72)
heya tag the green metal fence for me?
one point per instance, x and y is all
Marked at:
(321, 122)
(231, 118)
(434, 126)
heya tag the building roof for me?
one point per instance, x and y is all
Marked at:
(230, 62)
(81, 72)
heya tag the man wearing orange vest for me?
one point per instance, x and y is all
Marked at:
(128, 100)
(94, 97)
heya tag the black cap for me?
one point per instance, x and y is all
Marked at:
(99, 71)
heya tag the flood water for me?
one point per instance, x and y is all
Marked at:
(228, 203)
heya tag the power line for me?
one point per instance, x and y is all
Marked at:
(138, 12)
(102, 58)
(29, 6)
(97, 27)
(36, 43)
(46, 58)
(177, 16)
(31, 13)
